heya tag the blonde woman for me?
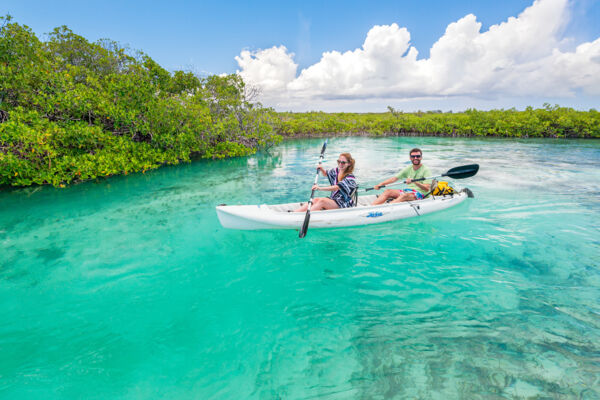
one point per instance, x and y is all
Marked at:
(342, 184)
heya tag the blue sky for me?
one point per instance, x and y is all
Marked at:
(206, 37)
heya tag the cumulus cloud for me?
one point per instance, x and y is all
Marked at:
(271, 69)
(519, 57)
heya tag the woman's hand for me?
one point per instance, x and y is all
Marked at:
(316, 187)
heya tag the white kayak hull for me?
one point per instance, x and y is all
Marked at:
(251, 217)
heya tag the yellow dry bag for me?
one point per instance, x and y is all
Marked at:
(442, 189)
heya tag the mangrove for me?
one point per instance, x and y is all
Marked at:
(72, 110)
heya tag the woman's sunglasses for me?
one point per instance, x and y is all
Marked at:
(342, 162)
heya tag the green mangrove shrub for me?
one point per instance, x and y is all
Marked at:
(72, 110)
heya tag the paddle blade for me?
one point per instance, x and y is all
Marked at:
(324, 147)
(305, 225)
(466, 171)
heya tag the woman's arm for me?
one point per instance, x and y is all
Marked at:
(326, 188)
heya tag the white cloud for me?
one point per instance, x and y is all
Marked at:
(270, 69)
(519, 57)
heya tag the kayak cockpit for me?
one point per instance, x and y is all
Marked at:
(363, 201)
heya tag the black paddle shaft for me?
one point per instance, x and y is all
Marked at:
(312, 194)
(464, 171)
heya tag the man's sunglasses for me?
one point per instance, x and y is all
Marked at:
(415, 156)
(342, 162)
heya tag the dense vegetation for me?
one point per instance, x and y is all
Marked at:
(550, 121)
(72, 110)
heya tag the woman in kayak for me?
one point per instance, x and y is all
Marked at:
(342, 183)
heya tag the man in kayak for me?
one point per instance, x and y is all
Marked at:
(415, 190)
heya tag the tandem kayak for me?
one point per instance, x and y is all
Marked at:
(281, 216)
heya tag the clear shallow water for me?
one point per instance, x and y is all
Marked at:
(130, 289)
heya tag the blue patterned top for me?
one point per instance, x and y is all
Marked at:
(343, 196)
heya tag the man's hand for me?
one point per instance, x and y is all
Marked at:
(408, 181)
(377, 187)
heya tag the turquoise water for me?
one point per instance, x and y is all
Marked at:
(129, 288)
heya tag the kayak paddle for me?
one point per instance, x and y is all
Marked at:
(312, 194)
(465, 171)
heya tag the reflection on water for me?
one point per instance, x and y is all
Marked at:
(129, 287)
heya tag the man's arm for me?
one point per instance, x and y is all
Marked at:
(423, 186)
(386, 182)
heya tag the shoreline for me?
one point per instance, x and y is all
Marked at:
(8, 188)
(420, 134)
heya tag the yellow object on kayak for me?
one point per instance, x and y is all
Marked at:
(442, 189)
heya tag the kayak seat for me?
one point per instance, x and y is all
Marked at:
(389, 201)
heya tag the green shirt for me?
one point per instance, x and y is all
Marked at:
(409, 172)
